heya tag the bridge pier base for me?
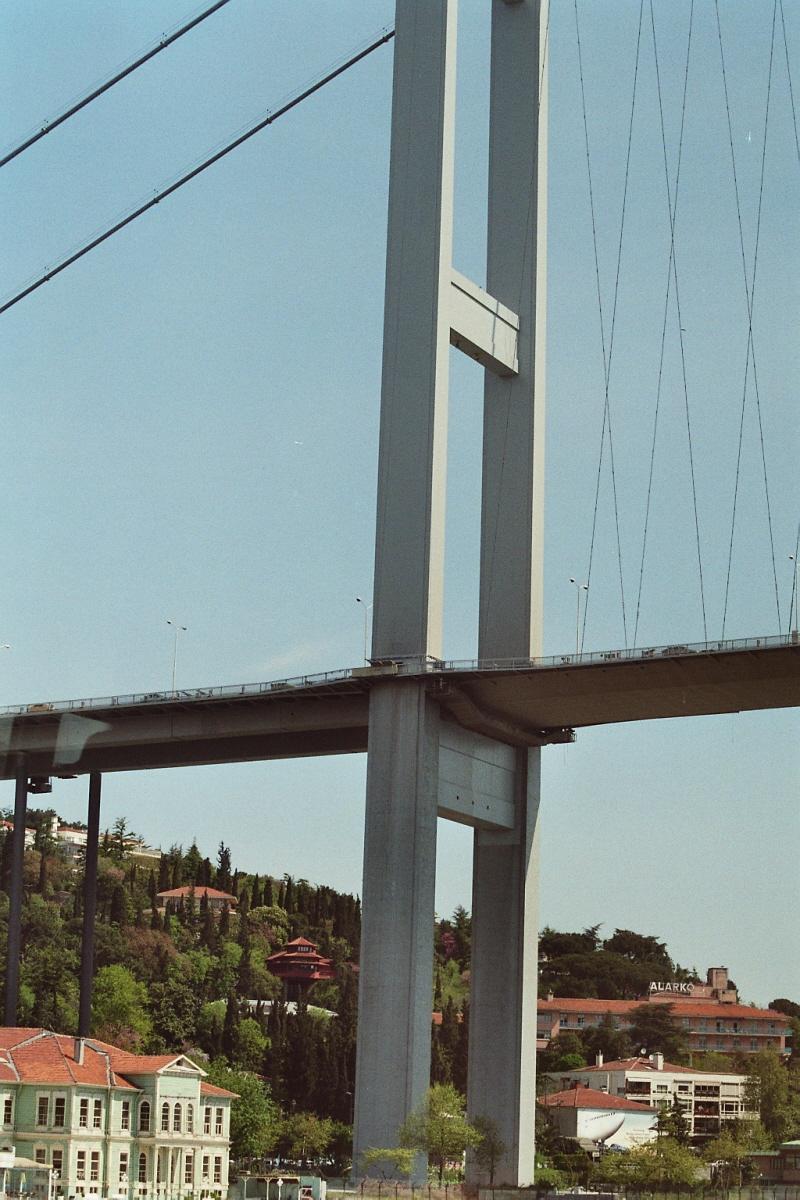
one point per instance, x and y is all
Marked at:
(396, 979)
(503, 977)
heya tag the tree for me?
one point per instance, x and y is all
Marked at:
(398, 1159)
(671, 1122)
(730, 1151)
(304, 1135)
(605, 1038)
(491, 1148)
(254, 1118)
(119, 1009)
(768, 1094)
(660, 1164)
(439, 1127)
(654, 1028)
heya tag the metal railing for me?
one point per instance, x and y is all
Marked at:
(410, 666)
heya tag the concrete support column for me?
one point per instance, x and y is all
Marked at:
(502, 1032)
(396, 978)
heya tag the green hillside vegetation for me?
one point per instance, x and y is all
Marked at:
(196, 981)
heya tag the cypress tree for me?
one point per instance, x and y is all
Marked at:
(224, 923)
(230, 1027)
(269, 895)
(164, 874)
(255, 897)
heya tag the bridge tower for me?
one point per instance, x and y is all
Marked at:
(421, 765)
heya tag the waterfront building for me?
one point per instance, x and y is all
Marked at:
(109, 1123)
(778, 1166)
(592, 1116)
(709, 1099)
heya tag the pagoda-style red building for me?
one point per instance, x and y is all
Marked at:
(299, 964)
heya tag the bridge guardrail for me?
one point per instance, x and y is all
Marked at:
(413, 666)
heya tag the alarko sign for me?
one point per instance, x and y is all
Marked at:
(682, 989)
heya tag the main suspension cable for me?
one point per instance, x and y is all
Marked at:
(52, 124)
(179, 183)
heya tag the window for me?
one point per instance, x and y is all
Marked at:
(188, 1168)
(206, 1120)
(97, 1115)
(80, 1163)
(581, 1019)
(563, 1020)
(142, 1168)
(125, 1119)
(176, 1118)
(123, 1167)
(217, 1168)
(94, 1166)
(661, 1087)
(144, 1117)
(753, 1044)
(205, 1165)
(8, 1110)
(59, 1112)
(83, 1115)
(40, 1154)
(218, 1123)
(190, 1118)
(42, 1110)
(58, 1162)
(165, 1116)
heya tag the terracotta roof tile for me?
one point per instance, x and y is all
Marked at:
(210, 892)
(211, 1089)
(585, 1097)
(683, 1008)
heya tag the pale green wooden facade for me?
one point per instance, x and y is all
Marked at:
(160, 1139)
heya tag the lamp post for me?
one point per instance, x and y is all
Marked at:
(176, 628)
(579, 587)
(366, 607)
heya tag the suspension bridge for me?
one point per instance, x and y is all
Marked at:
(453, 738)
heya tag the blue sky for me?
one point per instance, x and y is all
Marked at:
(190, 418)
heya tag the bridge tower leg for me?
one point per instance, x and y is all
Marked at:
(396, 980)
(502, 1044)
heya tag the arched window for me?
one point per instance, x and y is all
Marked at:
(165, 1116)
(190, 1118)
(142, 1168)
(176, 1118)
(144, 1116)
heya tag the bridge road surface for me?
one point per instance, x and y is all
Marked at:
(522, 703)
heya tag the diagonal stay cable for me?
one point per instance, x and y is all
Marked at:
(673, 256)
(607, 356)
(50, 125)
(749, 287)
(670, 268)
(192, 174)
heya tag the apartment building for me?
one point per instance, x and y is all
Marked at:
(708, 1098)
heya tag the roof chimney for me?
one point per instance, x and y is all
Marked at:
(658, 1061)
(78, 1051)
(598, 1058)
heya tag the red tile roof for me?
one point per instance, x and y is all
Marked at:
(585, 1097)
(40, 1056)
(639, 1064)
(211, 1089)
(209, 892)
(683, 1008)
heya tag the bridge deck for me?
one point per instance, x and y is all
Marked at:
(522, 703)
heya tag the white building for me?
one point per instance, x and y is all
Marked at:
(708, 1098)
(593, 1116)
